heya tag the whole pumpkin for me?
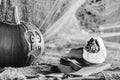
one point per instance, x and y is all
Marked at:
(17, 41)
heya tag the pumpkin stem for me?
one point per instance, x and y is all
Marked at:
(17, 20)
(8, 12)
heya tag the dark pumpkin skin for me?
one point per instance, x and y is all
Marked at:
(13, 46)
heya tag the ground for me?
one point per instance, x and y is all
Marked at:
(88, 21)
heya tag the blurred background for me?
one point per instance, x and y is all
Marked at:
(67, 24)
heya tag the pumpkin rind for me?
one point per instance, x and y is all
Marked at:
(14, 45)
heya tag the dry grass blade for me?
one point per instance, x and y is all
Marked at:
(0, 1)
(105, 35)
(112, 45)
(84, 78)
(56, 5)
(78, 37)
(63, 20)
(108, 27)
(93, 69)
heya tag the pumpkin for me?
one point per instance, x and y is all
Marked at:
(95, 51)
(17, 41)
